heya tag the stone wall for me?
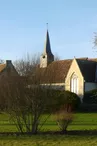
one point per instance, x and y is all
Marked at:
(75, 69)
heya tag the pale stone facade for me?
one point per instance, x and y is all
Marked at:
(74, 69)
(75, 75)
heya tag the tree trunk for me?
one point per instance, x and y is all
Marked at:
(35, 125)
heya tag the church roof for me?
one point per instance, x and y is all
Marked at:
(88, 68)
(2, 67)
(56, 71)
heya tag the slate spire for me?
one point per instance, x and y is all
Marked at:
(47, 57)
(47, 48)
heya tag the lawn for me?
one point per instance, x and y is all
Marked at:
(82, 121)
(49, 140)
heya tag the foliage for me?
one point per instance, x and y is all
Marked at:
(26, 100)
(87, 108)
(90, 97)
(64, 115)
(26, 104)
(70, 99)
(64, 118)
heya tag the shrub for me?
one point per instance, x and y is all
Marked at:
(85, 107)
(63, 119)
(70, 99)
(90, 97)
(64, 116)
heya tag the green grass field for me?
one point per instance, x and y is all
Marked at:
(82, 121)
(49, 140)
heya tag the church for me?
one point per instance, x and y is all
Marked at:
(77, 75)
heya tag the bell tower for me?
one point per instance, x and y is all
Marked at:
(47, 57)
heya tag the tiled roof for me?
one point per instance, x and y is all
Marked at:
(56, 71)
(2, 67)
(88, 69)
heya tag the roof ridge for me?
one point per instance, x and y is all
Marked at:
(2, 63)
(63, 60)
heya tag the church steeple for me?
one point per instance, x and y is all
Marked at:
(47, 57)
(47, 48)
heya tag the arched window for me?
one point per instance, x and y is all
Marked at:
(74, 83)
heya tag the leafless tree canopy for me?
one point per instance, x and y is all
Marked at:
(25, 66)
(95, 40)
(26, 99)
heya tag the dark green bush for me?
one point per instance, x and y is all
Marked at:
(59, 99)
(68, 101)
(87, 108)
(67, 98)
(90, 97)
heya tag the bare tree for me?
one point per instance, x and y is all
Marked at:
(95, 39)
(26, 65)
(26, 100)
(64, 117)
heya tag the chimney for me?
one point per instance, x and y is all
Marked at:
(8, 62)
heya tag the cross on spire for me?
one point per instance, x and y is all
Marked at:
(47, 25)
